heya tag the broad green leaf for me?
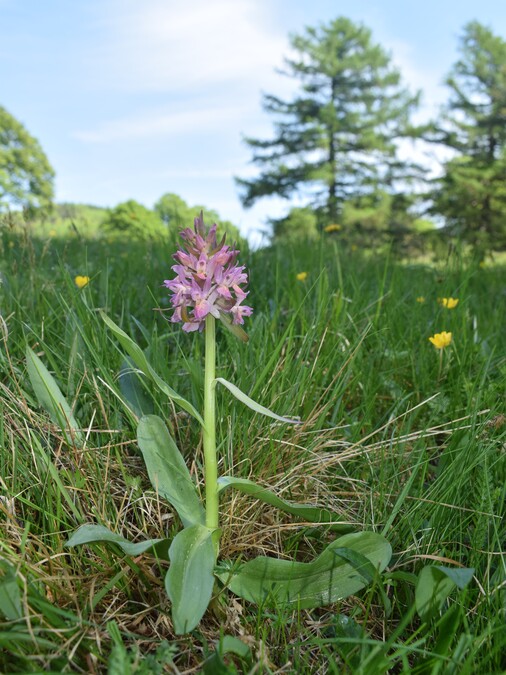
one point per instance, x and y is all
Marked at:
(447, 627)
(189, 581)
(167, 470)
(140, 360)
(250, 403)
(233, 645)
(98, 534)
(461, 576)
(50, 397)
(348, 634)
(321, 582)
(359, 562)
(435, 583)
(10, 595)
(132, 390)
(228, 644)
(313, 514)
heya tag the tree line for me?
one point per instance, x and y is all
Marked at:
(336, 144)
(336, 141)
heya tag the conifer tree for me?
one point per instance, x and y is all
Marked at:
(471, 194)
(336, 139)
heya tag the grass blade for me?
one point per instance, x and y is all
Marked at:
(49, 395)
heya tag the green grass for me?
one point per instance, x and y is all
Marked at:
(392, 439)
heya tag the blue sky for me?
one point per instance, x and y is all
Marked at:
(134, 98)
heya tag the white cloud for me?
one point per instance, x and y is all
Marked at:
(163, 45)
(208, 173)
(161, 124)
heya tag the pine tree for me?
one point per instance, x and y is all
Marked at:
(336, 138)
(471, 194)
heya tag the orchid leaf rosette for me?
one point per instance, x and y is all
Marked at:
(210, 285)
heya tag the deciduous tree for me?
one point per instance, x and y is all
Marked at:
(176, 213)
(26, 177)
(133, 220)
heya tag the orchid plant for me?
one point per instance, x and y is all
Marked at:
(209, 285)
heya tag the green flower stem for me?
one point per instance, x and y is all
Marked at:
(440, 369)
(210, 459)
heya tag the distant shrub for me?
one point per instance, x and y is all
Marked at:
(299, 224)
(172, 210)
(134, 221)
(177, 214)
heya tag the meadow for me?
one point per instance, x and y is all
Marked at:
(396, 437)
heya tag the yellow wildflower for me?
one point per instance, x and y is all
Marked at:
(354, 247)
(81, 282)
(449, 303)
(332, 228)
(52, 233)
(302, 276)
(420, 299)
(441, 340)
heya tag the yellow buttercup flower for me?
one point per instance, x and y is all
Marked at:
(81, 282)
(449, 303)
(302, 276)
(420, 299)
(332, 228)
(441, 340)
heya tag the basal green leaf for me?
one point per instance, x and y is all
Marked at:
(313, 514)
(50, 397)
(233, 645)
(461, 576)
(132, 390)
(215, 664)
(140, 360)
(190, 579)
(250, 403)
(97, 534)
(435, 583)
(167, 470)
(358, 561)
(323, 581)
(10, 595)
